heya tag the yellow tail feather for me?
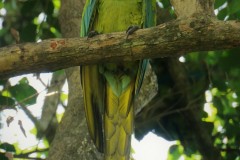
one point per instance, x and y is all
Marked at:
(118, 124)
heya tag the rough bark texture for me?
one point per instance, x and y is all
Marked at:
(148, 90)
(174, 38)
(48, 122)
(72, 140)
(188, 8)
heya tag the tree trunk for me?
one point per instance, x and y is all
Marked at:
(72, 140)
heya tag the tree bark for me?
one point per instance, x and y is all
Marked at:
(188, 8)
(198, 33)
(72, 140)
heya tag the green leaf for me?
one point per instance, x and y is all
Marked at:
(63, 97)
(23, 92)
(1, 5)
(31, 8)
(50, 7)
(33, 131)
(46, 33)
(3, 157)
(220, 108)
(166, 3)
(23, 80)
(230, 60)
(222, 14)
(234, 6)
(219, 3)
(59, 117)
(57, 4)
(28, 33)
(3, 82)
(46, 143)
(6, 101)
(17, 148)
(175, 152)
(59, 72)
(7, 147)
(219, 84)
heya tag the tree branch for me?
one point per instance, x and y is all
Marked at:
(178, 37)
(26, 155)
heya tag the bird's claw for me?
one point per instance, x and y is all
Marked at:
(92, 34)
(131, 30)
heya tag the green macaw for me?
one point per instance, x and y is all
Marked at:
(109, 88)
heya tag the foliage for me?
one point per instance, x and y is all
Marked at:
(223, 89)
(213, 79)
(34, 20)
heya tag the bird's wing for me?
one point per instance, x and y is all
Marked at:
(149, 15)
(88, 16)
(92, 83)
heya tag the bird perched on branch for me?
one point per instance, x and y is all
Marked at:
(109, 88)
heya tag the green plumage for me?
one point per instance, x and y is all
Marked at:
(109, 88)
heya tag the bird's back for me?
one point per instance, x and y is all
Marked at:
(118, 15)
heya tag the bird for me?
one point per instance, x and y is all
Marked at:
(109, 88)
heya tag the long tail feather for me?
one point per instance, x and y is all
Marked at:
(118, 124)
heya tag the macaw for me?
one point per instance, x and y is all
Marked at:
(109, 88)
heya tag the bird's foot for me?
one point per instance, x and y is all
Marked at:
(92, 34)
(131, 30)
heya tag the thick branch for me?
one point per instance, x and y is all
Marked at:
(174, 38)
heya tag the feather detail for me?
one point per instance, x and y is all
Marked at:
(149, 12)
(118, 123)
(93, 89)
(109, 88)
(88, 16)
